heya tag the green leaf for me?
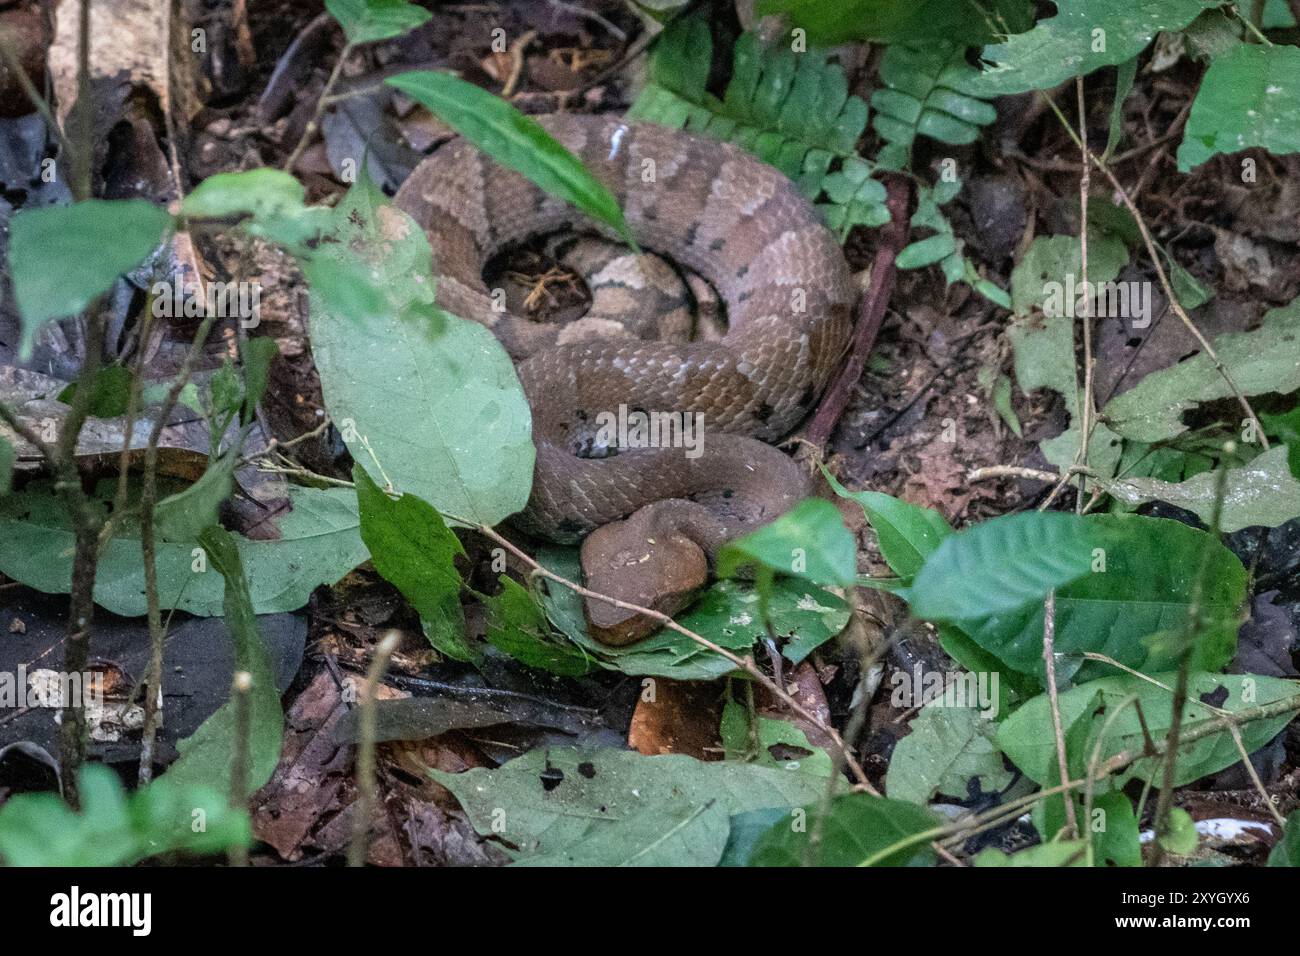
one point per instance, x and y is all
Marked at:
(675, 833)
(257, 356)
(767, 742)
(557, 796)
(1250, 96)
(114, 829)
(206, 756)
(433, 398)
(809, 542)
(1114, 829)
(1002, 565)
(413, 549)
(947, 748)
(858, 829)
(928, 90)
(1083, 36)
(319, 543)
(1045, 279)
(1263, 493)
(1260, 362)
(1027, 738)
(62, 257)
(1180, 837)
(513, 140)
(727, 614)
(1055, 854)
(1146, 587)
(273, 201)
(892, 21)
(907, 533)
(110, 392)
(180, 517)
(517, 626)
(365, 21)
(1287, 851)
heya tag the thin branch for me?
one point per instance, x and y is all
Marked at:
(1049, 659)
(322, 101)
(366, 750)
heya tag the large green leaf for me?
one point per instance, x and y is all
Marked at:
(674, 833)
(1002, 565)
(1250, 96)
(1262, 492)
(513, 140)
(62, 257)
(1083, 36)
(433, 398)
(552, 798)
(1145, 590)
(206, 756)
(1027, 738)
(947, 749)
(413, 548)
(857, 829)
(1260, 362)
(318, 544)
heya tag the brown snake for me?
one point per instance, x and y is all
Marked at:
(741, 225)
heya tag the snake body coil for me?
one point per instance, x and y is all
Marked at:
(709, 207)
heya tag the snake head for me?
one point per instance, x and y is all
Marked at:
(624, 560)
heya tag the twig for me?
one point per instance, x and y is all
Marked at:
(1165, 284)
(239, 695)
(366, 749)
(580, 11)
(153, 676)
(1049, 659)
(517, 63)
(1087, 410)
(313, 124)
(871, 313)
(1034, 474)
(1192, 628)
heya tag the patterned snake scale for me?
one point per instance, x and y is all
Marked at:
(709, 207)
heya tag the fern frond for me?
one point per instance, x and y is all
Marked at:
(792, 110)
(927, 91)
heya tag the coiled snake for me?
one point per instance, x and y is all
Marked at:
(652, 518)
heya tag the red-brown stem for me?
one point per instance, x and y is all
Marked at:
(871, 312)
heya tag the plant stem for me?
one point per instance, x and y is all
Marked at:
(1049, 660)
(313, 124)
(153, 676)
(1191, 630)
(366, 750)
(240, 696)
